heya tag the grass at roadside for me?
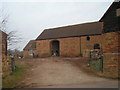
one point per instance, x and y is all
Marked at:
(11, 80)
(98, 73)
(83, 65)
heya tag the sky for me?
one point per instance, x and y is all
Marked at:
(30, 18)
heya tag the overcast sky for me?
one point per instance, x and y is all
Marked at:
(31, 18)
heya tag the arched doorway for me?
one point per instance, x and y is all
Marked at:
(55, 48)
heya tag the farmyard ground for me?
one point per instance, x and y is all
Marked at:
(62, 72)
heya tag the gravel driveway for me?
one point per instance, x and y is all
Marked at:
(58, 72)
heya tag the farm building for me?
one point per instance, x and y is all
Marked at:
(30, 49)
(111, 35)
(5, 62)
(79, 39)
(69, 40)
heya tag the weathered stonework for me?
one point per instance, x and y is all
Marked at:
(111, 42)
(71, 46)
(111, 53)
(43, 48)
(27, 55)
(68, 47)
(6, 62)
(111, 63)
(87, 45)
(30, 50)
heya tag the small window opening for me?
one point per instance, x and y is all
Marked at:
(88, 38)
(96, 46)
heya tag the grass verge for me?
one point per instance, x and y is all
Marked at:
(11, 80)
(87, 69)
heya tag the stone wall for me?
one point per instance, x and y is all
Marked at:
(68, 47)
(27, 55)
(43, 48)
(111, 42)
(87, 45)
(71, 46)
(111, 52)
(6, 65)
(6, 61)
(111, 64)
(3, 44)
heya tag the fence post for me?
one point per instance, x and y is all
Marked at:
(90, 57)
(13, 64)
(101, 61)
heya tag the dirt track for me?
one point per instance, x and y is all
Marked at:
(61, 73)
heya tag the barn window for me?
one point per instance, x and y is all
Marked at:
(118, 12)
(96, 46)
(88, 38)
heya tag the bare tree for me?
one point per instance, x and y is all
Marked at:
(17, 53)
(12, 36)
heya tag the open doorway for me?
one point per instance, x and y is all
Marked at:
(55, 48)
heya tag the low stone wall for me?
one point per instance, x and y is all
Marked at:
(111, 63)
(6, 65)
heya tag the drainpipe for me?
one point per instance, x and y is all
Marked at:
(80, 46)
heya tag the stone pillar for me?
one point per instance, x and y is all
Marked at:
(111, 53)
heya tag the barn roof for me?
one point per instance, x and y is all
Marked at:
(93, 28)
(31, 45)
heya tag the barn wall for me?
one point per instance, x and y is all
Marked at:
(43, 48)
(27, 55)
(72, 46)
(111, 42)
(111, 53)
(6, 61)
(87, 45)
(3, 44)
(68, 47)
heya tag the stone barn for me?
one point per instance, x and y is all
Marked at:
(30, 49)
(5, 62)
(111, 35)
(74, 40)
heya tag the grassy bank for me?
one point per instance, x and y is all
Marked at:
(11, 80)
